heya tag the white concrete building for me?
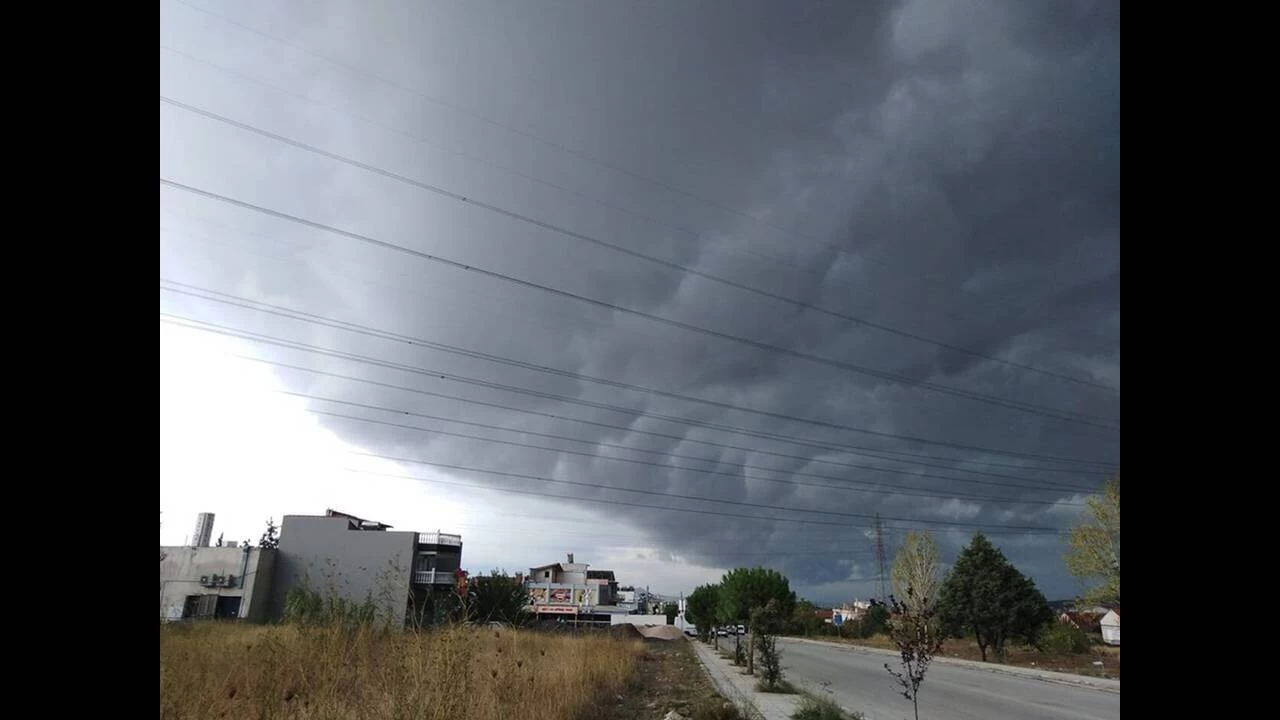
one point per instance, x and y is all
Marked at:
(225, 582)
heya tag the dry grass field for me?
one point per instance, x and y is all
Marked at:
(244, 671)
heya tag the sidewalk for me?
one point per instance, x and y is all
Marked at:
(740, 689)
(1043, 675)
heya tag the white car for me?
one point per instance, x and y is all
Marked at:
(742, 629)
(722, 632)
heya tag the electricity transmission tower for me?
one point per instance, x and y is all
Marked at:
(884, 593)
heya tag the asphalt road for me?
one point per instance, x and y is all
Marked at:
(860, 682)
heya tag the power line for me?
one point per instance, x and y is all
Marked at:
(1008, 529)
(891, 489)
(436, 374)
(622, 249)
(302, 316)
(849, 367)
(565, 149)
(903, 298)
(599, 549)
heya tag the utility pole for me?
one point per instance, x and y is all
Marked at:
(884, 594)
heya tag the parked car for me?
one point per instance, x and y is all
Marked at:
(691, 632)
(722, 632)
(742, 629)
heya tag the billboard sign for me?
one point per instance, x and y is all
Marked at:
(558, 609)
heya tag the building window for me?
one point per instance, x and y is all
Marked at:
(199, 607)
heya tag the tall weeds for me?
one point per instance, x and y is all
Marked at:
(360, 671)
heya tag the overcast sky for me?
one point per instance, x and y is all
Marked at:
(881, 238)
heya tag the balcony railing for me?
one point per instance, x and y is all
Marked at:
(439, 538)
(432, 577)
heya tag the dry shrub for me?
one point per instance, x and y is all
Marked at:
(238, 671)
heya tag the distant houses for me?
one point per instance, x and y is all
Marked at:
(1111, 627)
(1083, 620)
(1095, 620)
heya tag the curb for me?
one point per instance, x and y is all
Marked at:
(1049, 676)
(746, 700)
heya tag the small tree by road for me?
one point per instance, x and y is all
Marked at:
(766, 623)
(915, 575)
(744, 589)
(1094, 557)
(804, 620)
(875, 620)
(986, 595)
(700, 609)
(919, 638)
(671, 610)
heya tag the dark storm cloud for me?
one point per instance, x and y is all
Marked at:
(949, 169)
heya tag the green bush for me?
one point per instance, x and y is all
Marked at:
(1060, 637)
(821, 707)
(875, 622)
(305, 606)
(770, 660)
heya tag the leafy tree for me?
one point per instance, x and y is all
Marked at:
(915, 573)
(1094, 556)
(1064, 638)
(700, 609)
(918, 637)
(724, 618)
(269, 538)
(745, 589)
(497, 597)
(671, 610)
(804, 619)
(986, 595)
(875, 621)
(766, 623)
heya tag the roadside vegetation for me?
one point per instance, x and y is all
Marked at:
(335, 658)
(758, 600)
(814, 706)
(218, 670)
(986, 609)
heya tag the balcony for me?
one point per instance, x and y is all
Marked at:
(432, 577)
(439, 538)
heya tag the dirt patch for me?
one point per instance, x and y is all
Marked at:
(625, 631)
(668, 677)
(662, 632)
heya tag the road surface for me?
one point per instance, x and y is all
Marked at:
(950, 692)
